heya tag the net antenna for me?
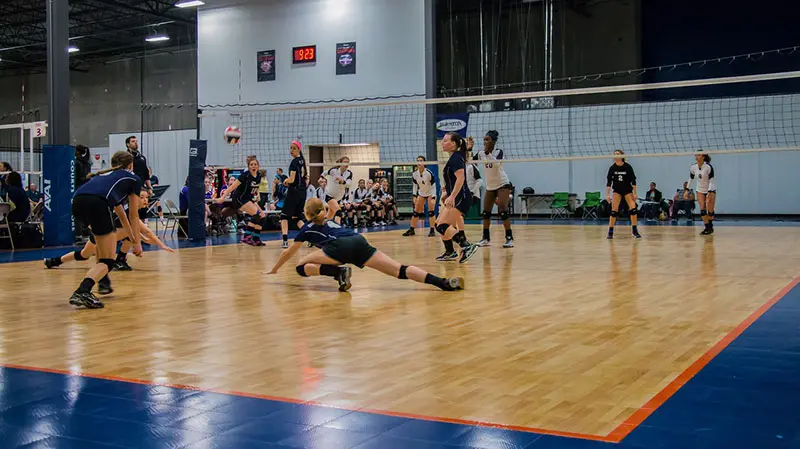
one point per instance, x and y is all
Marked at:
(558, 125)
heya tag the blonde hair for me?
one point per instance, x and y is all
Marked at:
(120, 160)
(315, 211)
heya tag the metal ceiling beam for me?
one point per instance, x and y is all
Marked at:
(163, 15)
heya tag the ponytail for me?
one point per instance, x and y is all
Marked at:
(120, 161)
(460, 142)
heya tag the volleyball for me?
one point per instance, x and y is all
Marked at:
(232, 135)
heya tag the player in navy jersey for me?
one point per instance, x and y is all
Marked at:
(340, 246)
(621, 180)
(243, 193)
(104, 194)
(457, 200)
(296, 191)
(424, 192)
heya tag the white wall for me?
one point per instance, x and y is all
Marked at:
(389, 36)
(167, 152)
(361, 153)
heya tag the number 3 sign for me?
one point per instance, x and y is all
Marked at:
(39, 129)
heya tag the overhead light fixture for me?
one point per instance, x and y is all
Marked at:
(189, 4)
(73, 49)
(159, 38)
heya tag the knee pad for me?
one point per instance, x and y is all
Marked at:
(301, 270)
(403, 274)
(339, 214)
(703, 212)
(442, 228)
(505, 215)
(419, 214)
(711, 214)
(430, 214)
(109, 263)
(284, 216)
(91, 239)
(78, 255)
(486, 215)
(613, 213)
(634, 212)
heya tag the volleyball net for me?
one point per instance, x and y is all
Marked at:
(641, 119)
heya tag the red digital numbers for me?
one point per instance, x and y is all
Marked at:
(305, 54)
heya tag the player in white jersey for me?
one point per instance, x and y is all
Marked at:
(424, 191)
(703, 171)
(339, 180)
(497, 186)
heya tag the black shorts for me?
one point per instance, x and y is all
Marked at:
(623, 191)
(505, 186)
(354, 250)
(463, 203)
(293, 204)
(95, 212)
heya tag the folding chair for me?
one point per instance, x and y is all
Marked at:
(173, 216)
(559, 208)
(158, 192)
(5, 209)
(591, 206)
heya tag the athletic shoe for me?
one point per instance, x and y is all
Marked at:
(258, 241)
(636, 234)
(705, 231)
(509, 243)
(410, 232)
(467, 253)
(432, 233)
(285, 244)
(452, 284)
(88, 300)
(121, 265)
(52, 262)
(446, 257)
(104, 288)
(610, 236)
(344, 278)
(484, 243)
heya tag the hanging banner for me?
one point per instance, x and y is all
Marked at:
(446, 123)
(58, 186)
(197, 189)
(346, 58)
(266, 65)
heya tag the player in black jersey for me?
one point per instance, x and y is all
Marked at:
(340, 246)
(93, 204)
(457, 200)
(621, 180)
(296, 193)
(244, 194)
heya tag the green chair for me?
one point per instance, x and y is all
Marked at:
(559, 208)
(591, 206)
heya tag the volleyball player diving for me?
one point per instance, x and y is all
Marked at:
(622, 181)
(340, 246)
(244, 194)
(457, 201)
(497, 188)
(424, 192)
(339, 180)
(703, 171)
(296, 192)
(93, 204)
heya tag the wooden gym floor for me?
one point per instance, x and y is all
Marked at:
(566, 334)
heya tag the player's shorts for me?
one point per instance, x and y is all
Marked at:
(354, 250)
(504, 186)
(293, 204)
(95, 212)
(464, 203)
(622, 190)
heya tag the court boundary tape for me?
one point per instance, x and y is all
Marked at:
(615, 436)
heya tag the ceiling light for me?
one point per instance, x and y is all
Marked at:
(160, 38)
(73, 49)
(189, 4)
